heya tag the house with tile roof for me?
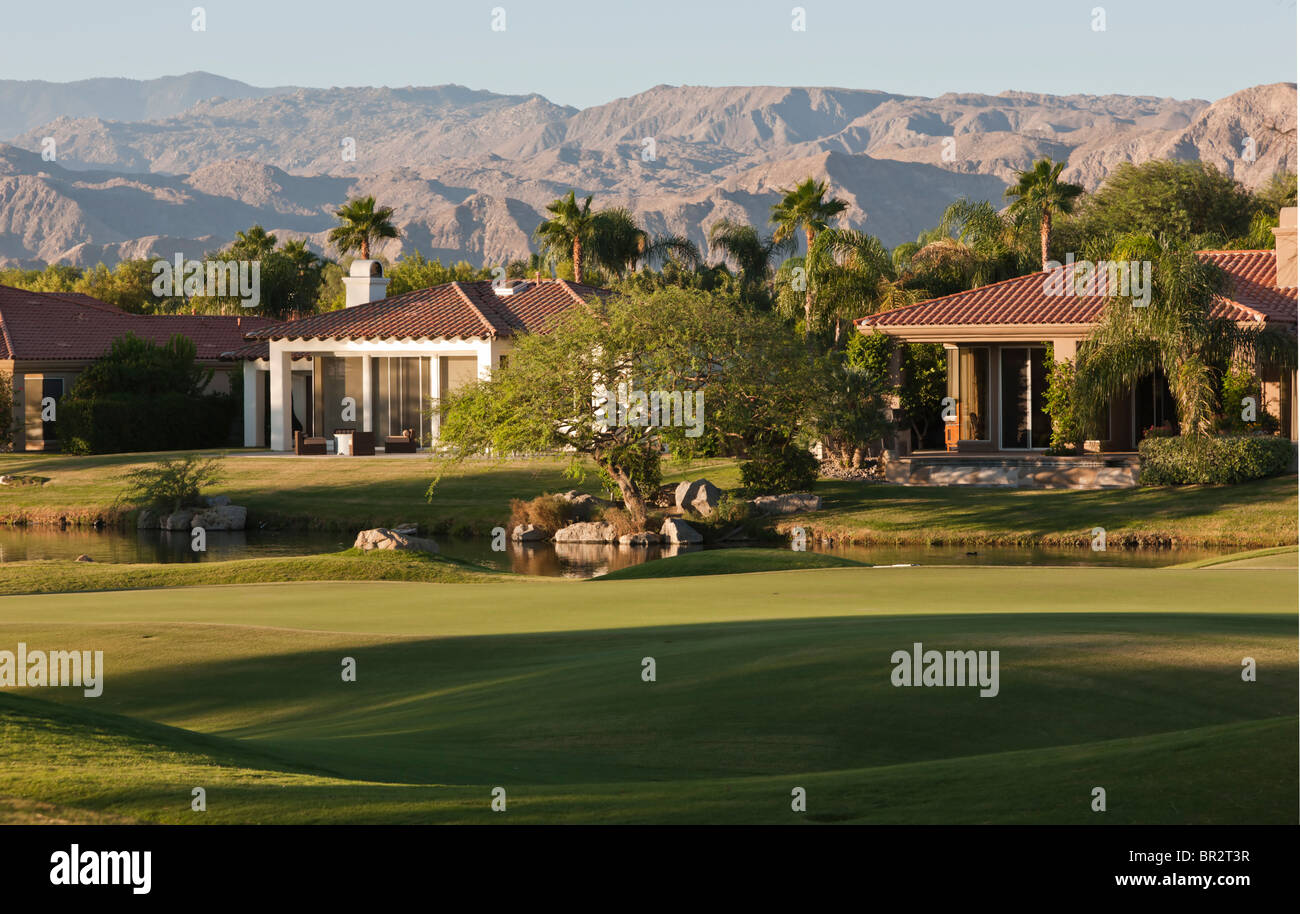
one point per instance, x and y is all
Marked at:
(374, 364)
(996, 337)
(48, 338)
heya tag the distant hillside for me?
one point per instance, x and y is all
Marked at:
(470, 172)
(25, 104)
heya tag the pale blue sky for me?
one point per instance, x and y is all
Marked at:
(585, 52)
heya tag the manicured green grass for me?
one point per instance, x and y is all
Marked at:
(475, 497)
(349, 565)
(740, 560)
(1258, 513)
(1117, 677)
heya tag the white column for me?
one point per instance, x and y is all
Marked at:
(367, 395)
(435, 391)
(281, 382)
(254, 404)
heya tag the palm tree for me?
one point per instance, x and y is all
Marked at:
(853, 274)
(752, 253)
(617, 242)
(361, 225)
(805, 207)
(1175, 333)
(253, 244)
(568, 229)
(676, 248)
(1040, 194)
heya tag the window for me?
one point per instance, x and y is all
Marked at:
(1025, 423)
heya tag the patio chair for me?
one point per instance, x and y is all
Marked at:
(307, 446)
(401, 444)
(952, 433)
(363, 444)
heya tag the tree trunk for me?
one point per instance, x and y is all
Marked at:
(577, 259)
(632, 500)
(365, 248)
(808, 286)
(1045, 235)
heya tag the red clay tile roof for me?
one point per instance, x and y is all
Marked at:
(42, 326)
(1028, 300)
(455, 310)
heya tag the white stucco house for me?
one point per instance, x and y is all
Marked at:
(373, 365)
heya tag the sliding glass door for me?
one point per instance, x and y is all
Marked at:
(1025, 423)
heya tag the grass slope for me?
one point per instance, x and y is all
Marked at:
(350, 565)
(1122, 678)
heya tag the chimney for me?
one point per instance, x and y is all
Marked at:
(364, 283)
(1286, 248)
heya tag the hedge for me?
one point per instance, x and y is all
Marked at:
(131, 422)
(1214, 460)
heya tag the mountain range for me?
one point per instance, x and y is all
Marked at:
(181, 163)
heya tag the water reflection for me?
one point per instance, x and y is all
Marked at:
(571, 560)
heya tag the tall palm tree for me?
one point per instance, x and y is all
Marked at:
(568, 229)
(1040, 194)
(1175, 334)
(805, 208)
(361, 225)
(753, 254)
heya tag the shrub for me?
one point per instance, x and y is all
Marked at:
(732, 510)
(550, 512)
(1186, 460)
(619, 519)
(119, 423)
(170, 485)
(774, 469)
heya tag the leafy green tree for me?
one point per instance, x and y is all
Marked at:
(805, 208)
(143, 368)
(755, 383)
(1189, 203)
(361, 225)
(1039, 195)
(569, 228)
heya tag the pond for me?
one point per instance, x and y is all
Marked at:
(19, 544)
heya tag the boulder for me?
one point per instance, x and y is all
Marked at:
(6, 480)
(587, 532)
(83, 558)
(383, 538)
(700, 496)
(639, 539)
(216, 501)
(529, 533)
(225, 517)
(408, 529)
(147, 519)
(678, 531)
(790, 503)
(179, 520)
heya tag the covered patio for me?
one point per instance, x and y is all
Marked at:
(375, 367)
